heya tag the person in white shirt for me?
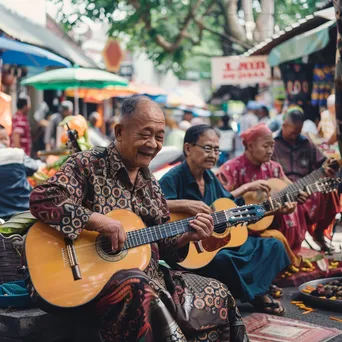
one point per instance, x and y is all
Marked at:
(327, 125)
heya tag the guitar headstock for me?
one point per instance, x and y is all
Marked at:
(72, 139)
(247, 213)
(327, 184)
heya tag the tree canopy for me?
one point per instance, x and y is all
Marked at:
(182, 34)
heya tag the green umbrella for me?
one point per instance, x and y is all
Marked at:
(61, 79)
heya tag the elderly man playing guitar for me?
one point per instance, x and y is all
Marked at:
(157, 304)
(299, 157)
(250, 174)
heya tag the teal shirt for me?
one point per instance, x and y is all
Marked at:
(179, 183)
(247, 270)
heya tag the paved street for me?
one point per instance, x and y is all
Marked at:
(320, 316)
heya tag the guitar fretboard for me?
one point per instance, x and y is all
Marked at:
(221, 220)
(291, 192)
(163, 231)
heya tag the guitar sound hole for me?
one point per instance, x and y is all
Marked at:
(106, 246)
(220, 228)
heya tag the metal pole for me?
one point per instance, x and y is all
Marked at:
(76, 100)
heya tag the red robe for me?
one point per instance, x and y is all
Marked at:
(239, 171)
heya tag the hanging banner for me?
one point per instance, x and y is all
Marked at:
(239, 70)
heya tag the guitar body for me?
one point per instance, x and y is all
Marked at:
(49, 265)
(200, 254)
(254, 197)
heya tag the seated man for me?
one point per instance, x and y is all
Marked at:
(158, 304)
(15, 166)
(299, 157)
(191, 188)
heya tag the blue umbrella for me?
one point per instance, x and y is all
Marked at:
(14, 52)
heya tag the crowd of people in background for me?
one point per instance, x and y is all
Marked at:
(47, 132)
(229, 129)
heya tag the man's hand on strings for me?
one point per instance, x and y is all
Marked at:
(258, 185)
(110, 227)
(328, 170)
(287, 209)
(195, 207)
(202, 226)
(303, 196)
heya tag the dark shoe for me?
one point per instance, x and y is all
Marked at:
(269, 307)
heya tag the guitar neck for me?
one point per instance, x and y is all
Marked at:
(291, 192)
(155, 233)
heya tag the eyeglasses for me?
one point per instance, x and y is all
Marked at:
(209, 149)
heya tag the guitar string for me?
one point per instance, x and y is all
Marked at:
(136, 234)
(147, 232)
(232, 212)
(162, 229)
(311, 178)
(280, 195)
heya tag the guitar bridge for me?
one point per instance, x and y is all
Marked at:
(70, 259)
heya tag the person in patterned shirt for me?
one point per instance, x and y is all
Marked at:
(162, 304)
(21, 130)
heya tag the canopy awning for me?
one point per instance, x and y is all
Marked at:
(13, 52)
(303, 45)
(29, 32)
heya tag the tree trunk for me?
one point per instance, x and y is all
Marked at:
(265, 21)
(338, 73)
(247, 8)
(233, 27)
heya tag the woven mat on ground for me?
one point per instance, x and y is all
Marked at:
(266, 328)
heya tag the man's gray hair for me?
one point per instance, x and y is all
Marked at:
(67, 105)
(94, 116)
(129, 105)
(295, 115)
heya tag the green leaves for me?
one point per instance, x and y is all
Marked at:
(176, 34)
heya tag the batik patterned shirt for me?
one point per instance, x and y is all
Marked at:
(98, 181)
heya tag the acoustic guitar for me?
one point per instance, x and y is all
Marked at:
(282, 192)
(69, 273)
(202, 252)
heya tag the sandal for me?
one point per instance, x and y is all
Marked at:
(275, 292)
(268, 307)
